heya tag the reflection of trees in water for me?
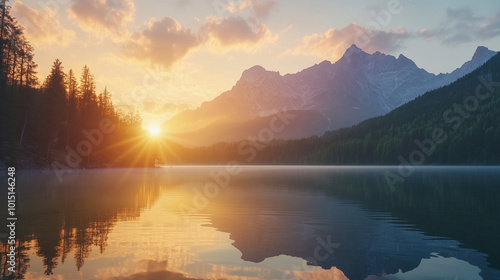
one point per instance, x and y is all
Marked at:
(453, 204)
(438, 200)
(72, 218)
(461, 205)
(79, 213)
(22, 260)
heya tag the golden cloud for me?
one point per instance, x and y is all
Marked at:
(333, 43)
(103, 17)
(42, 27)
(260, 8)
(163, 42)
(236, 31)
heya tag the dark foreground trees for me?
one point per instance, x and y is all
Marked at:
(41, 124)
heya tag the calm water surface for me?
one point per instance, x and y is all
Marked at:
(258, 223)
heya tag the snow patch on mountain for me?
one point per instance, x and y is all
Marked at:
(356, 87)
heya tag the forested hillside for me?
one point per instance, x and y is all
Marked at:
(463, 117)
(61, 122)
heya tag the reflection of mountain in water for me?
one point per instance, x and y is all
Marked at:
(77, 214)
(299, 212)
(291, 215)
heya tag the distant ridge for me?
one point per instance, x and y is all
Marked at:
(458, 124)
(331, 95)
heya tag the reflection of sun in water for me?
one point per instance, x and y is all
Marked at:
(154, 131)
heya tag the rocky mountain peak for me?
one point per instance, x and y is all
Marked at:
(254, 73)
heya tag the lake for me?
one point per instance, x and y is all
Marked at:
(251, 222)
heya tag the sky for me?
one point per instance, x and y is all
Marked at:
(160, 57)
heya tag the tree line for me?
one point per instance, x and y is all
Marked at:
(83, 216)
(39, 121)
(17, 67)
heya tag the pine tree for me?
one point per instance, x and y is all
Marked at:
(73, 96)
(88, 99)
(105, 105)
(3, 32)
(55, 90)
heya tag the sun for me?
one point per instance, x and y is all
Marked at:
(154, 130)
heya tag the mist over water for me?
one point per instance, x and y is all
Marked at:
(258, 222)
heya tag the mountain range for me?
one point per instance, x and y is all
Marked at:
(457, 124)
(326, 96)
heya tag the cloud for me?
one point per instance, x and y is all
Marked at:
(163, 42)
(427, 34)
(463, 26)
(236, 31)
(103, 17)
(333, 43)
(490, 29)
(42, 27)
(259, 8)
(182, 3)
(462, 14)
